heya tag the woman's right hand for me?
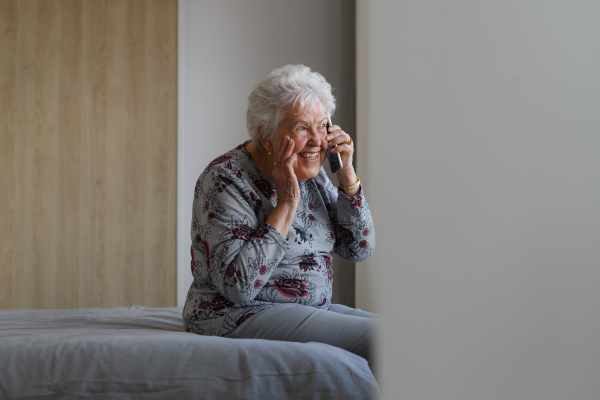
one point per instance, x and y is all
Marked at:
(283, 174)
(288, 190)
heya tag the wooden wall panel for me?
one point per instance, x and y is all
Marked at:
(88, 153)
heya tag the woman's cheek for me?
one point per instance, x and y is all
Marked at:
(324, 143)
(323, 154)
(299, 144)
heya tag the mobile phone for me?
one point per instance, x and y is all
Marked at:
(335, 160)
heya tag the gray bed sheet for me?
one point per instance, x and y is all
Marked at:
(142, 352)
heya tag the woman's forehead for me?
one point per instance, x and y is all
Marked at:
(312, 111)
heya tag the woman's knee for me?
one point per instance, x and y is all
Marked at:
(357, 312)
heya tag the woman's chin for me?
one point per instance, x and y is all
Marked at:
(305, 174)
(307, 168)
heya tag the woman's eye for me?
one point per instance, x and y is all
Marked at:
(301, 128)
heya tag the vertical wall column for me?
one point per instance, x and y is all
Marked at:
(483, 158)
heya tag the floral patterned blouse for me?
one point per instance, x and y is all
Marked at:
(242, 265)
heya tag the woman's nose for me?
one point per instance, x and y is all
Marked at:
(316, 132)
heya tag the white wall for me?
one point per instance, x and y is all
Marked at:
(484, 147)
(225, 48)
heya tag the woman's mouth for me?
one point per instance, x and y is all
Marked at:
(310, 156)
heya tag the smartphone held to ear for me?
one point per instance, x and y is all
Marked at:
(335, 160)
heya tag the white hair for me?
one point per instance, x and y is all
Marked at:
(290, 85)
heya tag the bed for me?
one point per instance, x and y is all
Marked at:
(142, 352)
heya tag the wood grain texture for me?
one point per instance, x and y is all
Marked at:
(88, 153)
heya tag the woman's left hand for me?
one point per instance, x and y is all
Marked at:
(345, 147)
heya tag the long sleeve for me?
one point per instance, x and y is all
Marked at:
(239, 253)
(352, 224)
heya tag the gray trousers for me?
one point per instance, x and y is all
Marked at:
(351, 329)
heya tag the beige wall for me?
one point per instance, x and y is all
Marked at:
(87, 153)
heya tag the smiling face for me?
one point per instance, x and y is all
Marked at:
(307, 128)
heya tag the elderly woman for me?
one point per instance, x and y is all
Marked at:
(266, 220)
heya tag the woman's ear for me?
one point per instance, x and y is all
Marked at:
(267, 144)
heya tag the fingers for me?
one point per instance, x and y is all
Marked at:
(280, 153)
(283, 172)
(337, 136)
(285, 154)
(285, 159)
(340, 138)
(289, 157)
(343, 145)
(289, 148)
